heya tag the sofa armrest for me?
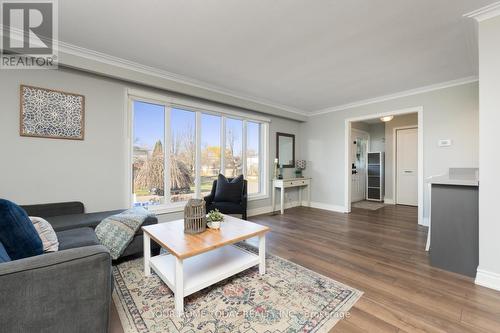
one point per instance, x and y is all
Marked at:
(65, 291)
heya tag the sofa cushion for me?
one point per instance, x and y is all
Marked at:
(17, 233)
(72, 221)
(70, 239)
(66, 222)
(4, 256)
(228, 190)
(46, 233)
(54, 209)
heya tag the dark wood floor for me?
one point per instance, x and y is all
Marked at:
(382, 254)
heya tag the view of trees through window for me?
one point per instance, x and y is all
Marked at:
(253, 157)
(234, 147)
(210, 151)
(148, 169)
(182, 155)
(148, 155)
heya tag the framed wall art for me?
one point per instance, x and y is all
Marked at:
(54, 114)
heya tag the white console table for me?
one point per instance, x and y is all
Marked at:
(283, 184)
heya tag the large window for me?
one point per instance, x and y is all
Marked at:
(198, 145)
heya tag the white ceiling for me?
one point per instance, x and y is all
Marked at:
(309, 55)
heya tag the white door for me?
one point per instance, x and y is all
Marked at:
(407, 166)
(359, 149)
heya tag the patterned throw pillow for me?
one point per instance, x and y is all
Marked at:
(46, 233)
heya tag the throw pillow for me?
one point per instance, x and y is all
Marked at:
(46, 233)
(228, 191)
(17, 233)
(4, 256)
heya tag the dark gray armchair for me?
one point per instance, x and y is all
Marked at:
(64, 291)
(238, 206)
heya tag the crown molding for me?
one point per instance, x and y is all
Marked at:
(406, 93)
(485, 13)
(66, 48)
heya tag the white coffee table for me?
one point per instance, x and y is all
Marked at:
(197, 261)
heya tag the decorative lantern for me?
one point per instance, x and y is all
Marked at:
(195, 217)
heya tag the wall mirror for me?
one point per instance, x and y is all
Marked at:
(285, 149)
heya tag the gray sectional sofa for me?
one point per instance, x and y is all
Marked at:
(65, 291)
(65, 217)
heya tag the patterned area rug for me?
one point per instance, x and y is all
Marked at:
(365, 204)
(288, 298)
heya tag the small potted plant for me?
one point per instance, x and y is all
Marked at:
(214, 218)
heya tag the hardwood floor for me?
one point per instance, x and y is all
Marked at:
(382, 254)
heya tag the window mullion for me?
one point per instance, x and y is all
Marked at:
(198, 155)
(223, 146)
(244, 150)
(166, 153)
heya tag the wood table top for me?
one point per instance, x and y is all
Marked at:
(171, 236)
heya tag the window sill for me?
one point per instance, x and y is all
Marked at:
(166, 209)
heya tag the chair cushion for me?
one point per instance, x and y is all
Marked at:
(228, 190)
(46, 233)
(66, 222)
(226, 207)
(4, 256)
(70, 239)
(17, 233)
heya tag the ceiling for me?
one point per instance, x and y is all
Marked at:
(307, 55)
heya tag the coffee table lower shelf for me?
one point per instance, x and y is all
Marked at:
(203, 270)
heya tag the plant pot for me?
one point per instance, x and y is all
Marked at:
(214, 225)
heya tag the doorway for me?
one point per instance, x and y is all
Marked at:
(359, 150)
(406, 166)
(389, 190)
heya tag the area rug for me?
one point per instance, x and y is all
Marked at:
(288, 298)
(368, 205)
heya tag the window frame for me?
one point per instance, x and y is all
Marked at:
(169, 102)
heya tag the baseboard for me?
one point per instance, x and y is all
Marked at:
(333, 208)
(389, 201)
(488, 279)
(269, 209)
(318, 205)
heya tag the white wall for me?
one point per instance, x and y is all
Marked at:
(448, 113)
(489, 157)
(398, 121)
(37, 170)
(377, 137)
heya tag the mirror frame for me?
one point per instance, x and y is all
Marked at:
(278, 134)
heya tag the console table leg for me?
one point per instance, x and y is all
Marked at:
(179, 287)
(273, 200)
(282, 202)
(147, 254)
(262, 254)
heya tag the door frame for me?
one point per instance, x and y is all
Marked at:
(395, 157)
(366, 154)
(347, 174)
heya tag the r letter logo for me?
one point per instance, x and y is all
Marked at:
(29, 34)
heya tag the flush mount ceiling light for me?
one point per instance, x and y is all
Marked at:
(387, 118)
